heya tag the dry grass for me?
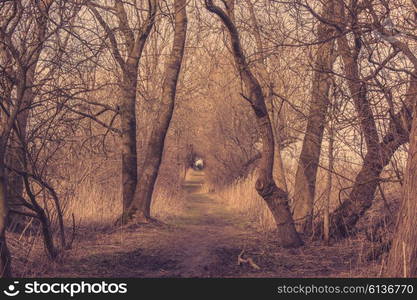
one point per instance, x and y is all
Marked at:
(97, 205)
(94, 205)
(243, 198)
(29, 257)
(167, 203)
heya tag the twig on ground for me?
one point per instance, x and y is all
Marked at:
(249, 260)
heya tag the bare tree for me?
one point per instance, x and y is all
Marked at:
(402, 259)
(5, 258)
(379, 152)
(140, 209)
(267, 84)
(27, 53)
(17, 95)
(6, 126)
(128, 62)
(276, 198)
(305, 182)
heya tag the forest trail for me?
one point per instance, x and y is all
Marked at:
(204, 241)
(188, 245)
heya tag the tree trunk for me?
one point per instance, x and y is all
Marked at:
(139, 210)
(5, 258)
(128, 136)
(305, 179)
(402, 259)
(379, 154)
(6, 89)
(16, 152)
(6, 126)
(326, 217)
(345, 217)
(127, 106)
(275, 198)
(267, 87)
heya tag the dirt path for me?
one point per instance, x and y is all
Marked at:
(204, 241)
(186, 247)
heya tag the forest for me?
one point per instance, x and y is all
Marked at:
(208, 138)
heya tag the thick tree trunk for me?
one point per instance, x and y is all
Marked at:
(15, 153)
(345, 217)
(402, 259)
(18, 113)
(379, 154)
(5, 258)
(139, 210)
(305, 179)
(127, 106)
(275, 198)
(128, 136)
(6, 130)
(267, 87)
(5, 93)
(279, 168)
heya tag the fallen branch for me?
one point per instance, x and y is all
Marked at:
(249, 260)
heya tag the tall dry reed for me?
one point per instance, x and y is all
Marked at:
(242, 197)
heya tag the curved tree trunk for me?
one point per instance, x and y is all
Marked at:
(139, 209)
(402, 259)
(275, 198)
(305, 179)
(345, 217)
(277, 119)
(378, 155)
